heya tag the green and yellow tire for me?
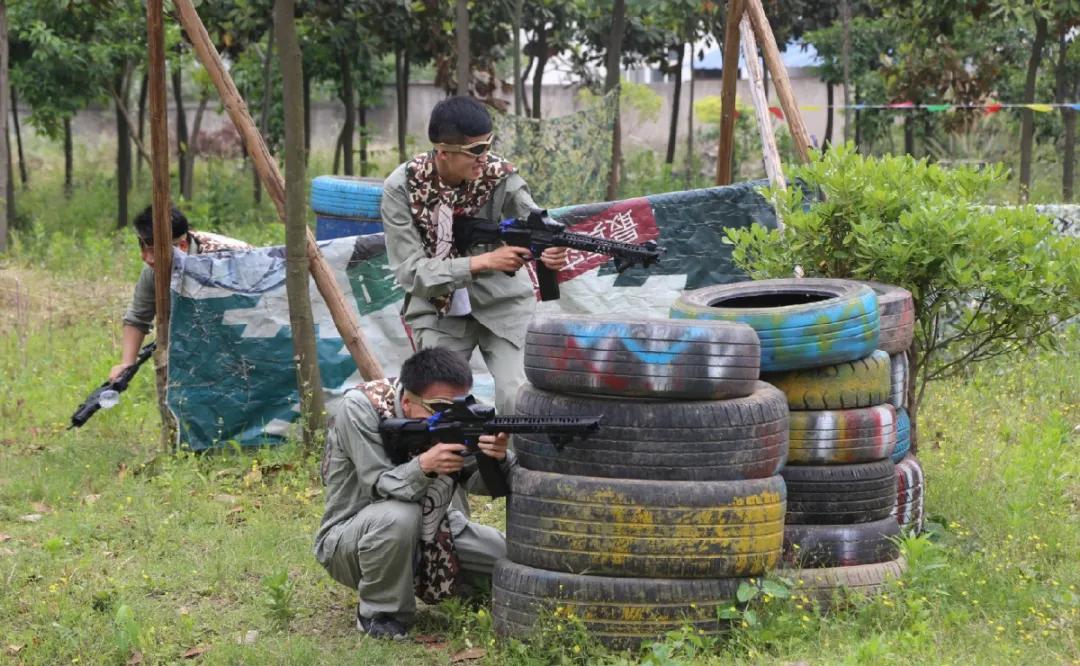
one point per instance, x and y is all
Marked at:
(861, 383)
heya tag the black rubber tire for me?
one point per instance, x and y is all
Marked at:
(898, 380)
(654, 358)
(708, 440)
(347, 196)
(841, 545)
(621, 613)
(842, 436)
(909, 508)
(840, 494)
(903, 435)
(630, 527)
(860, 383)
(801, 323)
(824, 584)
(897, 310)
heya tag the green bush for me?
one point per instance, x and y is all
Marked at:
(985, 281)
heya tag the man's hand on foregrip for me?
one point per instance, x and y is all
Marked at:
(494, 446)
(555, 258)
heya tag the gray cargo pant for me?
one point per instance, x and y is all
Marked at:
(374, 554)
(504, 359)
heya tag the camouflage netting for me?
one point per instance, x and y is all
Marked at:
(565, 160)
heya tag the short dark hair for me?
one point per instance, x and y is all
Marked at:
(433, 365)
(455, 118)
(144, 225)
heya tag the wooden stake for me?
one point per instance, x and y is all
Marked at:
(267, 168)
(162, 209)
(761, 107)
(727, 93)
(776, 67)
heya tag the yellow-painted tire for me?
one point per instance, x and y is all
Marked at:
(861, 383)
(621, 613)
(659, 529)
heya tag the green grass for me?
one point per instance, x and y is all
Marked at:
(129, 550)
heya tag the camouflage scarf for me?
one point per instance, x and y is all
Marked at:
(211, 242)
(435, 566)
(428, 194)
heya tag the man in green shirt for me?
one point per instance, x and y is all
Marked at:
(139, 316)
(457, 301)
(392, 532)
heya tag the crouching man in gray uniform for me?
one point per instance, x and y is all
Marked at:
(394, 532)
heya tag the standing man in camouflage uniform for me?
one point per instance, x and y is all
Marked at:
(140, 313)
(453, 301)
(394, 532)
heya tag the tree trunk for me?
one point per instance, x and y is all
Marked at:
(845, 59)
(348, 98)
(301, 321)
(401, 75)
(337, 151)
(307, 115)
(611, 82)
(264, 105)
(519, 94)
(522, 81)
(538, 73)
(909, 133)
(673, 126)
(69, 160)
(361, 116)
(123, 159)
(1068, 117)
(188, 186)
(23, 176)
(181, 126)
(6, 218)
(141, 131)
(1027, 116)
(830, 96)
(690, 125)
(461, 28)
(857, 116)
(1068, 159)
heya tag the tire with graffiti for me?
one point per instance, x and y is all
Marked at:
(621, 613)
(841, 545)
(897, 310)
(910, 494)
(707, 440)
(631, 527)
(824, 584)
(903, 435)
(840, 494)
(898, 380)
(801, 323)
(654, 358)
(346, 197)
(860, 383)
(842, 435)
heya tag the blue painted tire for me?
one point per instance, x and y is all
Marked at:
(903, 435)
(649, 358)
(801, 323)
(346, 196)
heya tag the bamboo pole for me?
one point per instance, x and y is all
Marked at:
(727, 93)
(761, 107)
(267, 168)
(776, 67)
(162, 210)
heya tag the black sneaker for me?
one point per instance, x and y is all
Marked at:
(381, 626)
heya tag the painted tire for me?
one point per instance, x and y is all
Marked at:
(655, 358)
(840, 494)
(346, 196)
(841, 545)
(707, 440)
(903, 435)
(898, 380)
(897, 310)
(801, 323)
(847, 385)
(825, 584)
(621, 613)
(842, 435)
(910, 494)
(630, 527)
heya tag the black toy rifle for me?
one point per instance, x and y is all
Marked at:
(538, 232)
(108, 394)
(463, 422)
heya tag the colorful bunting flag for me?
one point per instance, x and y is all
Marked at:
(1041, 108)
(937, 108)
(775, 110)
(993, 107)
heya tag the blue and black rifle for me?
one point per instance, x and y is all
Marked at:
(464, 421)
(538, 232)
(108, 394)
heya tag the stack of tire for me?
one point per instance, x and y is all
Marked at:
(653, 522)
(820, 342)
(346, 206)
(897, 331)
